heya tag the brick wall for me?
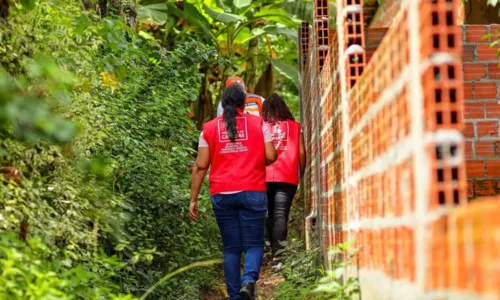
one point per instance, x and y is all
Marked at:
(374, 37)
(384, 117)
(482, 111)
(388, 10)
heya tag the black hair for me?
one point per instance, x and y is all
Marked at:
(233, 98)
(275, 110)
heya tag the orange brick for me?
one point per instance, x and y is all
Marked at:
(495, 32)
(492, 110)
(487, 128)
(474, 71)
(485, 52)
(369, 53)
(484, 188)
(374, 36)
(468, 150)
(476, 33)
(470, 189)
(474, 111)
(493, 71)
(486, 149)
(475, 168)
(469, 130)
(468, 91)
(376, 24)
(468, 53)
(387, 250)
(493, 168)
(485, 90)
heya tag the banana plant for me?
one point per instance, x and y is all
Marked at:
(235, 28)
(232, 25)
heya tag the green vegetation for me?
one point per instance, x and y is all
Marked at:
(306, 278)
(301, 272)
(495, 36)
(246, 36)
(94, 148)
(98, 107)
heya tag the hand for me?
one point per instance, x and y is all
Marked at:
(193, 210)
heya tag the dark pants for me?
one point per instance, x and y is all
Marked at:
(279, 200)
(241, 219)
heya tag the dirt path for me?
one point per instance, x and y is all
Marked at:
(268, 282)
(266, 285)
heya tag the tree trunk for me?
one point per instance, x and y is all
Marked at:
(102, 8)
(132, 14)
(24, 230)
(205, 104)
(252, 64)
(88, 5)
(116, 8)
(125, 9)
(4, 9)
(265, 85)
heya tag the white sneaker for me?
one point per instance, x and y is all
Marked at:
(276, 265)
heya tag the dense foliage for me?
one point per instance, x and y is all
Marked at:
(306, 278)
(94, 149)
(244, 34)
(301, 272)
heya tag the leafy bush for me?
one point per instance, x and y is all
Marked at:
(94, 148)
(301, 271)
(30, 271)
(305, 279)
(335, 285)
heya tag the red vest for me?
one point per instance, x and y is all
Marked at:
(238, 166)
(286, 136)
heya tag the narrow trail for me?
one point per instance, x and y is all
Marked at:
(266, 286)
(268, 281)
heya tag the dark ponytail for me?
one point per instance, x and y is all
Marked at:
(233, 98)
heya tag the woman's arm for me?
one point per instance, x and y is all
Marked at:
(302, 155)
(271, 155)
(200, 169)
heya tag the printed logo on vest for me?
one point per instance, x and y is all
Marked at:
(280, 132)
(242, 135)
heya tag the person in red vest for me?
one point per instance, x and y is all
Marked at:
(253, 106)
(253, 103)
(236, 147)
(282, 177)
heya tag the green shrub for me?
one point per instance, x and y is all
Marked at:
(301, 271)
(335, 285)
(306, 279)
(30, 271)
(103, 153)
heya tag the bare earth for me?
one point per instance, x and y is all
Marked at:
(266, 285)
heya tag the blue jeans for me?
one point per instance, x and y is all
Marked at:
(241, 219)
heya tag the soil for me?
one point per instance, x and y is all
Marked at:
(266, 285)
